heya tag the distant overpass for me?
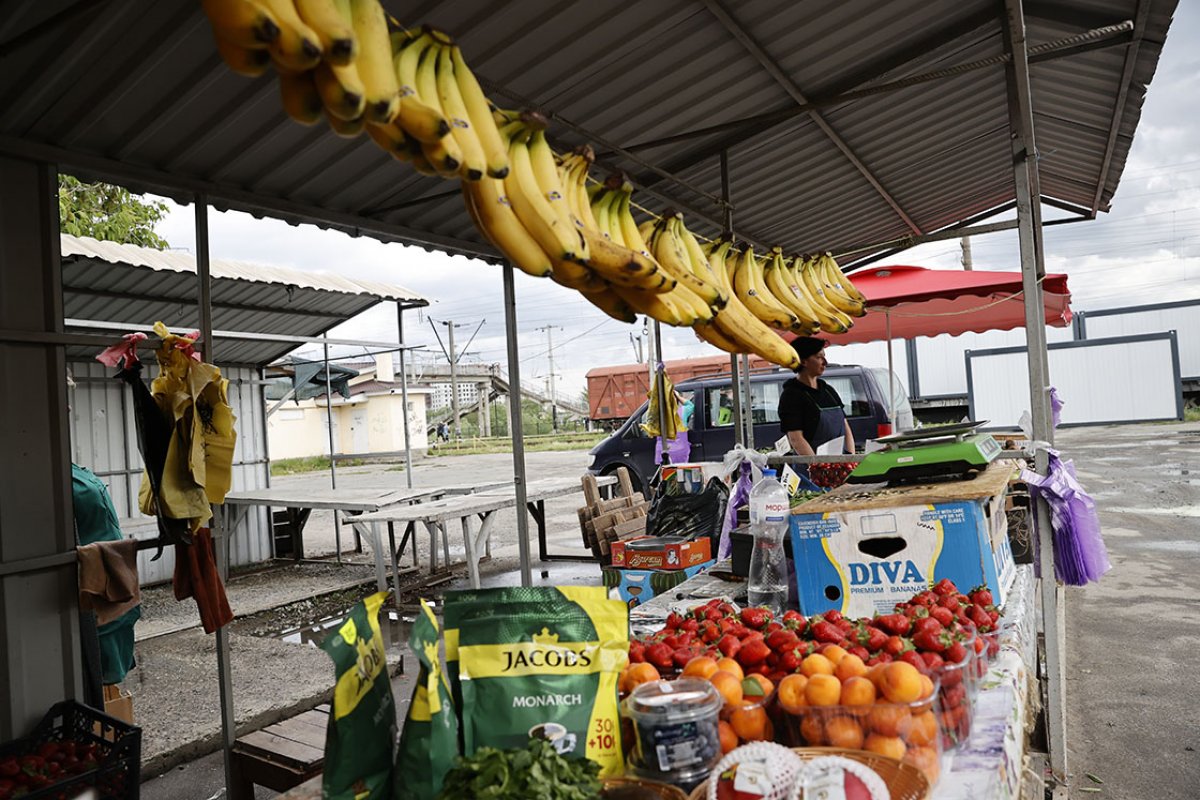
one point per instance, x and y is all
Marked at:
(496, 383)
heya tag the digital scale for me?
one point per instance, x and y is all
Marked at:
(944, 452)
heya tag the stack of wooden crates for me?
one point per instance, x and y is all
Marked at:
(603, 522)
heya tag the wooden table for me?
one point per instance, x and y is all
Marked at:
(281, 756)
(436, 515)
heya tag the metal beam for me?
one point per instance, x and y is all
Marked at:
(516, 424)
(249, 336)
(1025, 174)
(150, 298)
(1131, 56)
(150, 179)
(759, 53)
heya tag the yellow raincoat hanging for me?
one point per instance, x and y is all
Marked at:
(193, 396)
(653, 417)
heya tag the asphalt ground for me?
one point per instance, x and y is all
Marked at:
(1133, 716)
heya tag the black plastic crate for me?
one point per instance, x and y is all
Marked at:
(118, 744)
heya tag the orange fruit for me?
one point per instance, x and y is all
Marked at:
(835, 653)
(700, 667)
(637, 674)
(926, 687)
(920, 729)
(764, 685)
(751, 724)
(823, 690)
(731, 666)
(875, 674)
(791, 693)
(900, 682)
(891, 746)
(816, 664)
(729, 738)
(812, 728)
(730, 686)
(851, 666)
(844, 732)
(858, 692)
(926, 760)
(887, 720)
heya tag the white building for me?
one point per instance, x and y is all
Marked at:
(468, 394)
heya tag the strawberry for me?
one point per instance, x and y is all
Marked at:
(932, 641)
(980, 618)
(826, 632)
(783, 640)
(942, 614)
(794, 620)
(925, 598)
(690, 625)
(674, 621)
(916, 612)
(870, 638)
(914, 658)
(660, 655)
(726, 624)
(894, 624)
(672, 641)
(956, 652)
(860, 651)
(834, 616)
(726, 609)
(933, 660)
(772, 659)
(729, 645)
(949, 601)
(756, 618)
(713, 614)
(944, 587)
(710, 631)
(982, 596)
(927, 624)
(994, 614)
(895, 645)
(682, 657)
(790, 661)
(637, 652)
(773, 626)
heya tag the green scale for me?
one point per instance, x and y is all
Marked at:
(945, 452)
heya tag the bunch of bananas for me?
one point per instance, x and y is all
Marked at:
(414, 95)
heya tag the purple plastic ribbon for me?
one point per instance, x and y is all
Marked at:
(740, 496)
(1080, 556)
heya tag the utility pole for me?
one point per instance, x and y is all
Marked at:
(549, 329)
(452, 357)
(967, 264)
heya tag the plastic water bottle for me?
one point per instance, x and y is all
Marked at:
(769, 509)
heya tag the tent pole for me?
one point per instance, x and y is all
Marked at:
(891, 374)
(515, 423)
(735, 380)
(747, 403)
(404, 392)
(337, 526)
(1028, 193)
(224, 671)
(660, 385)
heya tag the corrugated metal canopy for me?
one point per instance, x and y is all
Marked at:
(135, 91)
(110, 282)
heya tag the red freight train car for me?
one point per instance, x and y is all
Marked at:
(616, 392)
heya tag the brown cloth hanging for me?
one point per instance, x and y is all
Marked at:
(108, 578)
(196, 576)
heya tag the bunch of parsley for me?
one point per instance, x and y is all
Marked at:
(535, 771)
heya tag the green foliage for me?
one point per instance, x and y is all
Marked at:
(110, 213)
(295, 466)
(535, 770)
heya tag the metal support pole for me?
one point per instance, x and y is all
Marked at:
(891, 374)
(661, 387)
(515, 423)
(747, 403)
(404, 393)
(1025, 174)
(735, 381)
(337, 523)
(224, 670)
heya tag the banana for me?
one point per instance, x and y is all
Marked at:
(622, 211)
(450, 97)
(333, 29)
(559, 241)
(608, 301)
(374, 60)
(746, 286)
(576, 276)
(348, 128)
(499, 223)
(709, 332)
(444, 155)
(662, 307)
(699, 260)
(717, 254)
(775, 278)
(244, 23)
(418, 118)
(829, 318)
(671, 253)
(744, 329)
(247, 61)
(541, 158)
(830, 275)
(297, 47)
(391, 140)
(479, 112)
(300, 98)
(603, 211)
(341, 90)
(842, 279)
(421, 163)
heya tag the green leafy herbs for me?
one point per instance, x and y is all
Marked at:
(533, 771)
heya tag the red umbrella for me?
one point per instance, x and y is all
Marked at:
(928, 302)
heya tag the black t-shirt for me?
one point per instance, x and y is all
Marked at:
(800, 407)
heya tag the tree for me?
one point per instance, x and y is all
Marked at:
(108, 212)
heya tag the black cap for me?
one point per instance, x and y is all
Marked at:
(806, 346)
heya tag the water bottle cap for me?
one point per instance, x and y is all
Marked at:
(768, 473)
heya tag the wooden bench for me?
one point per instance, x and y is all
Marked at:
(280, 756)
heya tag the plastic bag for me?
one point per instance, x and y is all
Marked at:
(1080, 556)
(360, 742)
(674, 512)
(429, 743)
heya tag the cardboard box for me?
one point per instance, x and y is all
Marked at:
(672, 555)
(861, 552)
(636, 586)
(118, 703)
(694, 475)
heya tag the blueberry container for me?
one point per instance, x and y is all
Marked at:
(676, 739)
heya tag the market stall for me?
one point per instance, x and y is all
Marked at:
(142, 99)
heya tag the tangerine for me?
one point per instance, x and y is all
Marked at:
(823, 690)
(700, 667)
(751, 724)
(835, 653)
(791, 693)
(729, 738)
(637, 674)
(851, 666)
(891, 746)
(732, 667)
(858, 692)
(729, 685)
(900, 682)
(844, 732)
(816, 664)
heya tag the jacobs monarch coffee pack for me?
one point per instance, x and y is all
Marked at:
(541, 662)
(429, 743)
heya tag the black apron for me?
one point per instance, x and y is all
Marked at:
(831, 425)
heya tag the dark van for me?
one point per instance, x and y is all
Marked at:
(711, 429)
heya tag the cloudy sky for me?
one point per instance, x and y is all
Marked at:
(1146, 250)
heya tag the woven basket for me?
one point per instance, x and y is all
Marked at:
(904, 781)
(664, 790)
